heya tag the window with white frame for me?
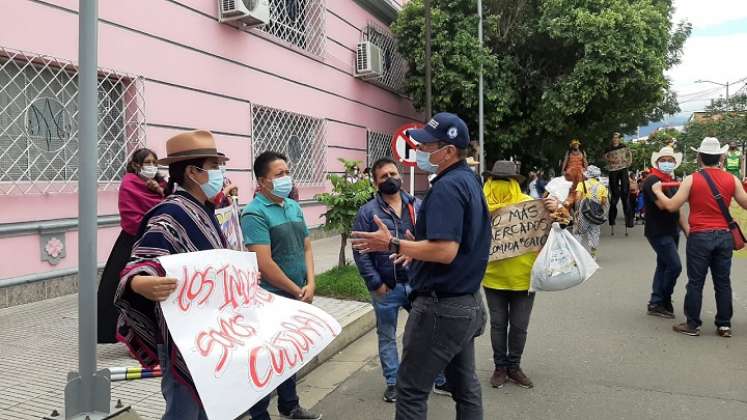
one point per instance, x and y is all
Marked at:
(301, 138)
(379, 145)
(39, 124)
(299, 23)
(395, 67)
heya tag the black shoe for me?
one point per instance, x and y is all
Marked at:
(443, 389)
(684, 328)
(390, 394)
(669, 307)
(660, 311)
(300, 413)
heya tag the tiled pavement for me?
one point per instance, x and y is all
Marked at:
(38, 346)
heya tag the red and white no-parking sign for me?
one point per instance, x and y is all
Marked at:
(403, 147)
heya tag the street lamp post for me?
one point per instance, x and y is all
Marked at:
(481, 111)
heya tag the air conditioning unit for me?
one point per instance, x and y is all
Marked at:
(245, 12)
(369, 62)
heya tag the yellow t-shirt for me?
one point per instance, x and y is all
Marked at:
(590, 183)
(512, 273)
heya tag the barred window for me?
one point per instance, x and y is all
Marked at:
(39, 124)
(395, 67)
(300, 137)
(379, 145)
(299, 23)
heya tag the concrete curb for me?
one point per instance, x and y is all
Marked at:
(354, 326)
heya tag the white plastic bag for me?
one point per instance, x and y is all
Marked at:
(562, 263)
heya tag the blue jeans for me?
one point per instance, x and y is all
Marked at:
(668, 268)
(706, 250)
(387, 309)
(440, 337)
(180, 401)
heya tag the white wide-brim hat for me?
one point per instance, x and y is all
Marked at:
(711, 146)
(666, 152)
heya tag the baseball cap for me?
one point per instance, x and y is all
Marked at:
(443, 127)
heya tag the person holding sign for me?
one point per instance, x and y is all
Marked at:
(449, 256)
(183, 222)
(506, 281)
(388, 283)
(618, 158)
(274, 228)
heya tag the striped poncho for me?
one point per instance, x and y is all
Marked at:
(177, 225)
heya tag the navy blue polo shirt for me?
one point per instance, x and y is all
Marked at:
(454, 209)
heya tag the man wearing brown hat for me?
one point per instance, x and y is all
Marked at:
(183, 222)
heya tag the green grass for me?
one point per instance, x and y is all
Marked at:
(740, 215)
(342, 283)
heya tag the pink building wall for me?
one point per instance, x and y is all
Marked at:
(200, 74)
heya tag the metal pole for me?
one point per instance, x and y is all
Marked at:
(87, 393)
(428, 98)
(481, 116)
(727, 97)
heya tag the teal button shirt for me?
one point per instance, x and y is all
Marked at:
(264, 222)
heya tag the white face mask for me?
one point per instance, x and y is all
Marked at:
(148, 171)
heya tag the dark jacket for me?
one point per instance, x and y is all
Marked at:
(376, 268)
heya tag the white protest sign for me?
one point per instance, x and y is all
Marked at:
(228, 219)
(239, 341)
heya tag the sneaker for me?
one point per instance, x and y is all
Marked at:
(443, 389)
(518, 377)
(499, 378)
(684, 328)
(390, 394)
(660, 311)
(669, 307)
(301, 413)
(724, 332)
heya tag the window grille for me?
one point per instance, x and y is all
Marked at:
(395, 67)
(379, 146)
(297, 136)
(39, 124)
(299, 23)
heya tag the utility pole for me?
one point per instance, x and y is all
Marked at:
(726, 85)
(428, 99)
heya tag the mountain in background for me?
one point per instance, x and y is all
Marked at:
(672, 121)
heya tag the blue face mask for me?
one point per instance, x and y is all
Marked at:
(667, 167)
(282, 186)
(214, 184)
(423, 160)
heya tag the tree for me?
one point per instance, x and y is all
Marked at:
(736, 103)
(726, 126)
(347, 196)
(553, 69)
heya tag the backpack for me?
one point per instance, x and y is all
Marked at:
(591, 209)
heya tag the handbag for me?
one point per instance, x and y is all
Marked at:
(592, 210)
(734, 229)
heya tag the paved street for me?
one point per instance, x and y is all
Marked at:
(593, 353)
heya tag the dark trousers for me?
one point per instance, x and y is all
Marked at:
(287, 393)
(287, 400)
(619, 190)
(668, 268)
(440, 336)
(706, 250)
(509, 321)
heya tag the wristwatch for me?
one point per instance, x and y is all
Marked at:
(394, 245)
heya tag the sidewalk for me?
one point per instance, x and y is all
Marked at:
(39, 341)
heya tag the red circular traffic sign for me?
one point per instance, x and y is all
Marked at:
(403, 147)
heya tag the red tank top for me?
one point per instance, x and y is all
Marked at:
(705, 214)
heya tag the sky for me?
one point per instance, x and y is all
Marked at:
(716, 50)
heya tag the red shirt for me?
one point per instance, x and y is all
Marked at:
(705, 214)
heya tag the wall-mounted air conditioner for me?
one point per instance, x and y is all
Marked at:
(369, 62)
(245, 12)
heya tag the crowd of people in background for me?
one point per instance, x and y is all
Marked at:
(428, 257)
